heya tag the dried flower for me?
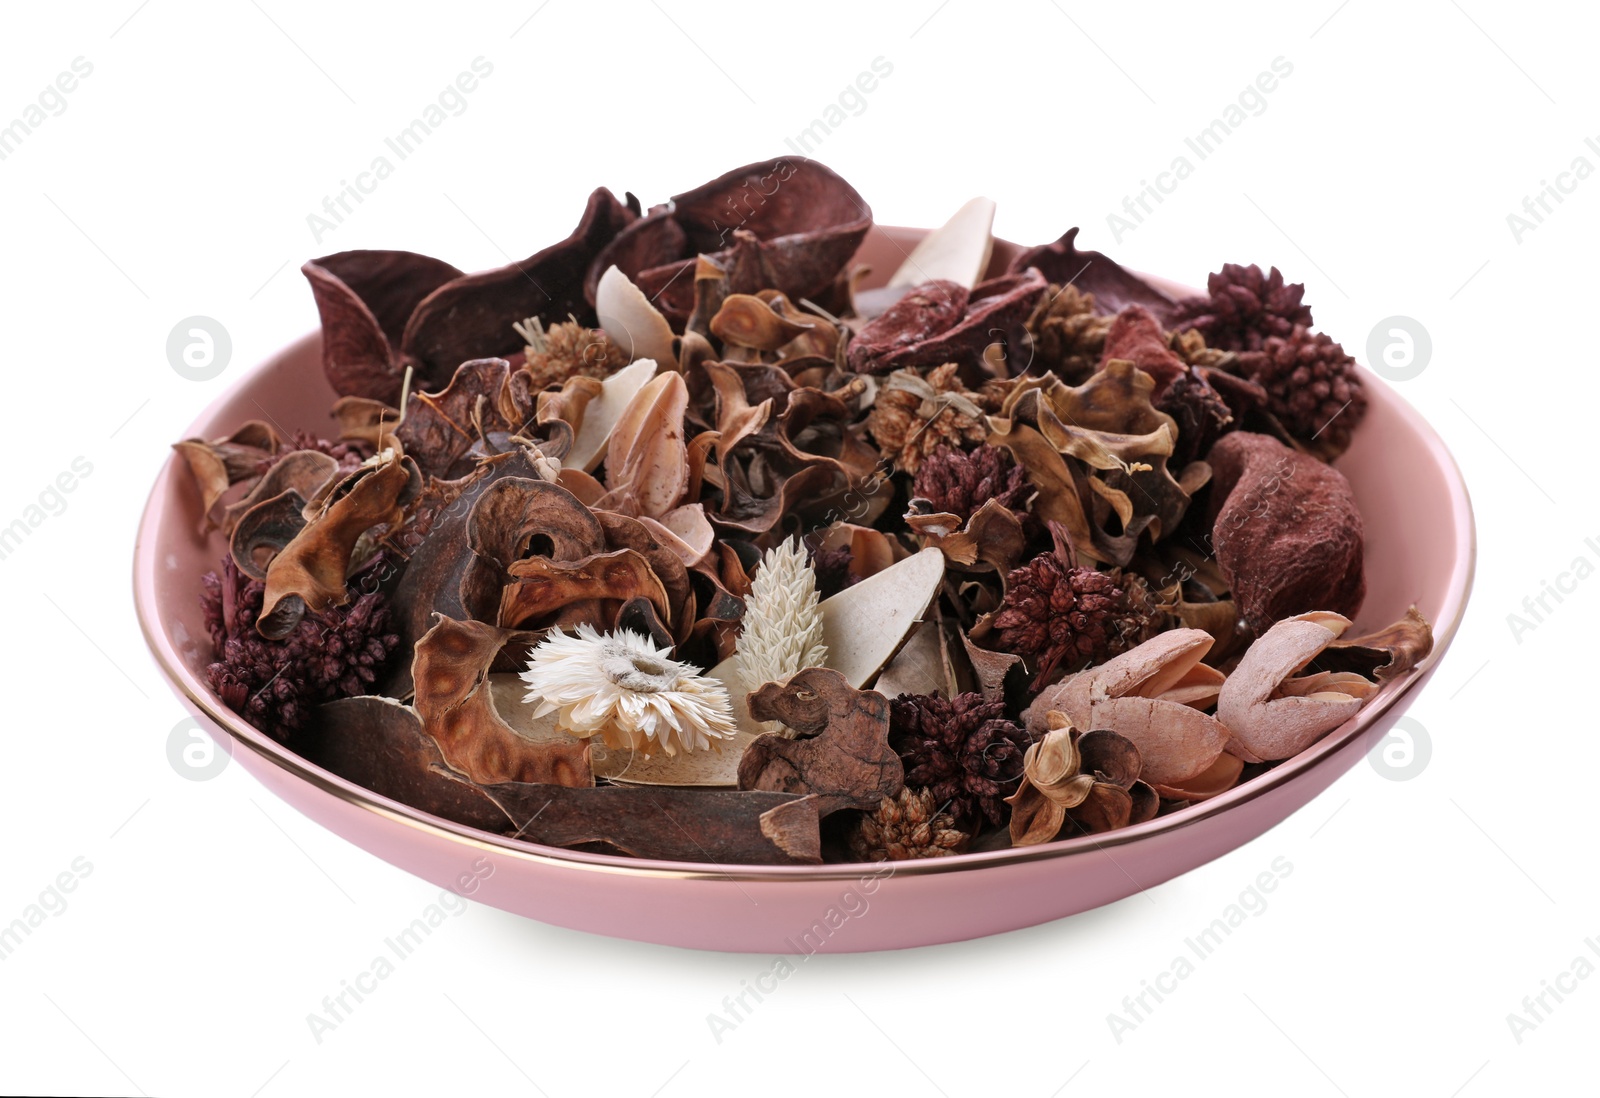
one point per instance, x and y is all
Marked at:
(1243, 307)
(1068, 335)
(276, 684)
(958, 483)
(914, 416)
(567, 350)
(906, 827)
(1199, 411)
(962, 750)
(1060, 616)
(1191, 347)
(621, 687)
(1312, 386)
(1090, 778)
(782, 629)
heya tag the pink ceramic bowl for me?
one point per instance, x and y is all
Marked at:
(1419, 550)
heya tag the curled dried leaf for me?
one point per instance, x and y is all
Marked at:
(745, 320)
(220, 464)
(309, 573)
(541, 588)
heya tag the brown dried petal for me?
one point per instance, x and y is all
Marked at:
(1114, 287)
(789, 224)
(1386, 654)
(515, 518)
(473, 316)
(747, 321)
(305, 471)
(220, 464)
(365, 299)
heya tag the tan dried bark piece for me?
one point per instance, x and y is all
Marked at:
(957, 251)
(843, 756)
(599, 411)
(865, 625)
(1273, 714)
(380, 745)
(632, 322)
(919, 666)
(647, 460)
(1148, 695)
(456, 705)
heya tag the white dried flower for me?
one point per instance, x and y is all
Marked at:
(782, 630)
(620, 687)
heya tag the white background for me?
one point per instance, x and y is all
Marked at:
(215, 919)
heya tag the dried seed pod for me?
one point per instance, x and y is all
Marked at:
(1287, 532)
(1152, 695)
(1271, 712)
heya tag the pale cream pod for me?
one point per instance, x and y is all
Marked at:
(1273, 713)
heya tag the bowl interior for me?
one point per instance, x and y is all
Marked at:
(1419, 550)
